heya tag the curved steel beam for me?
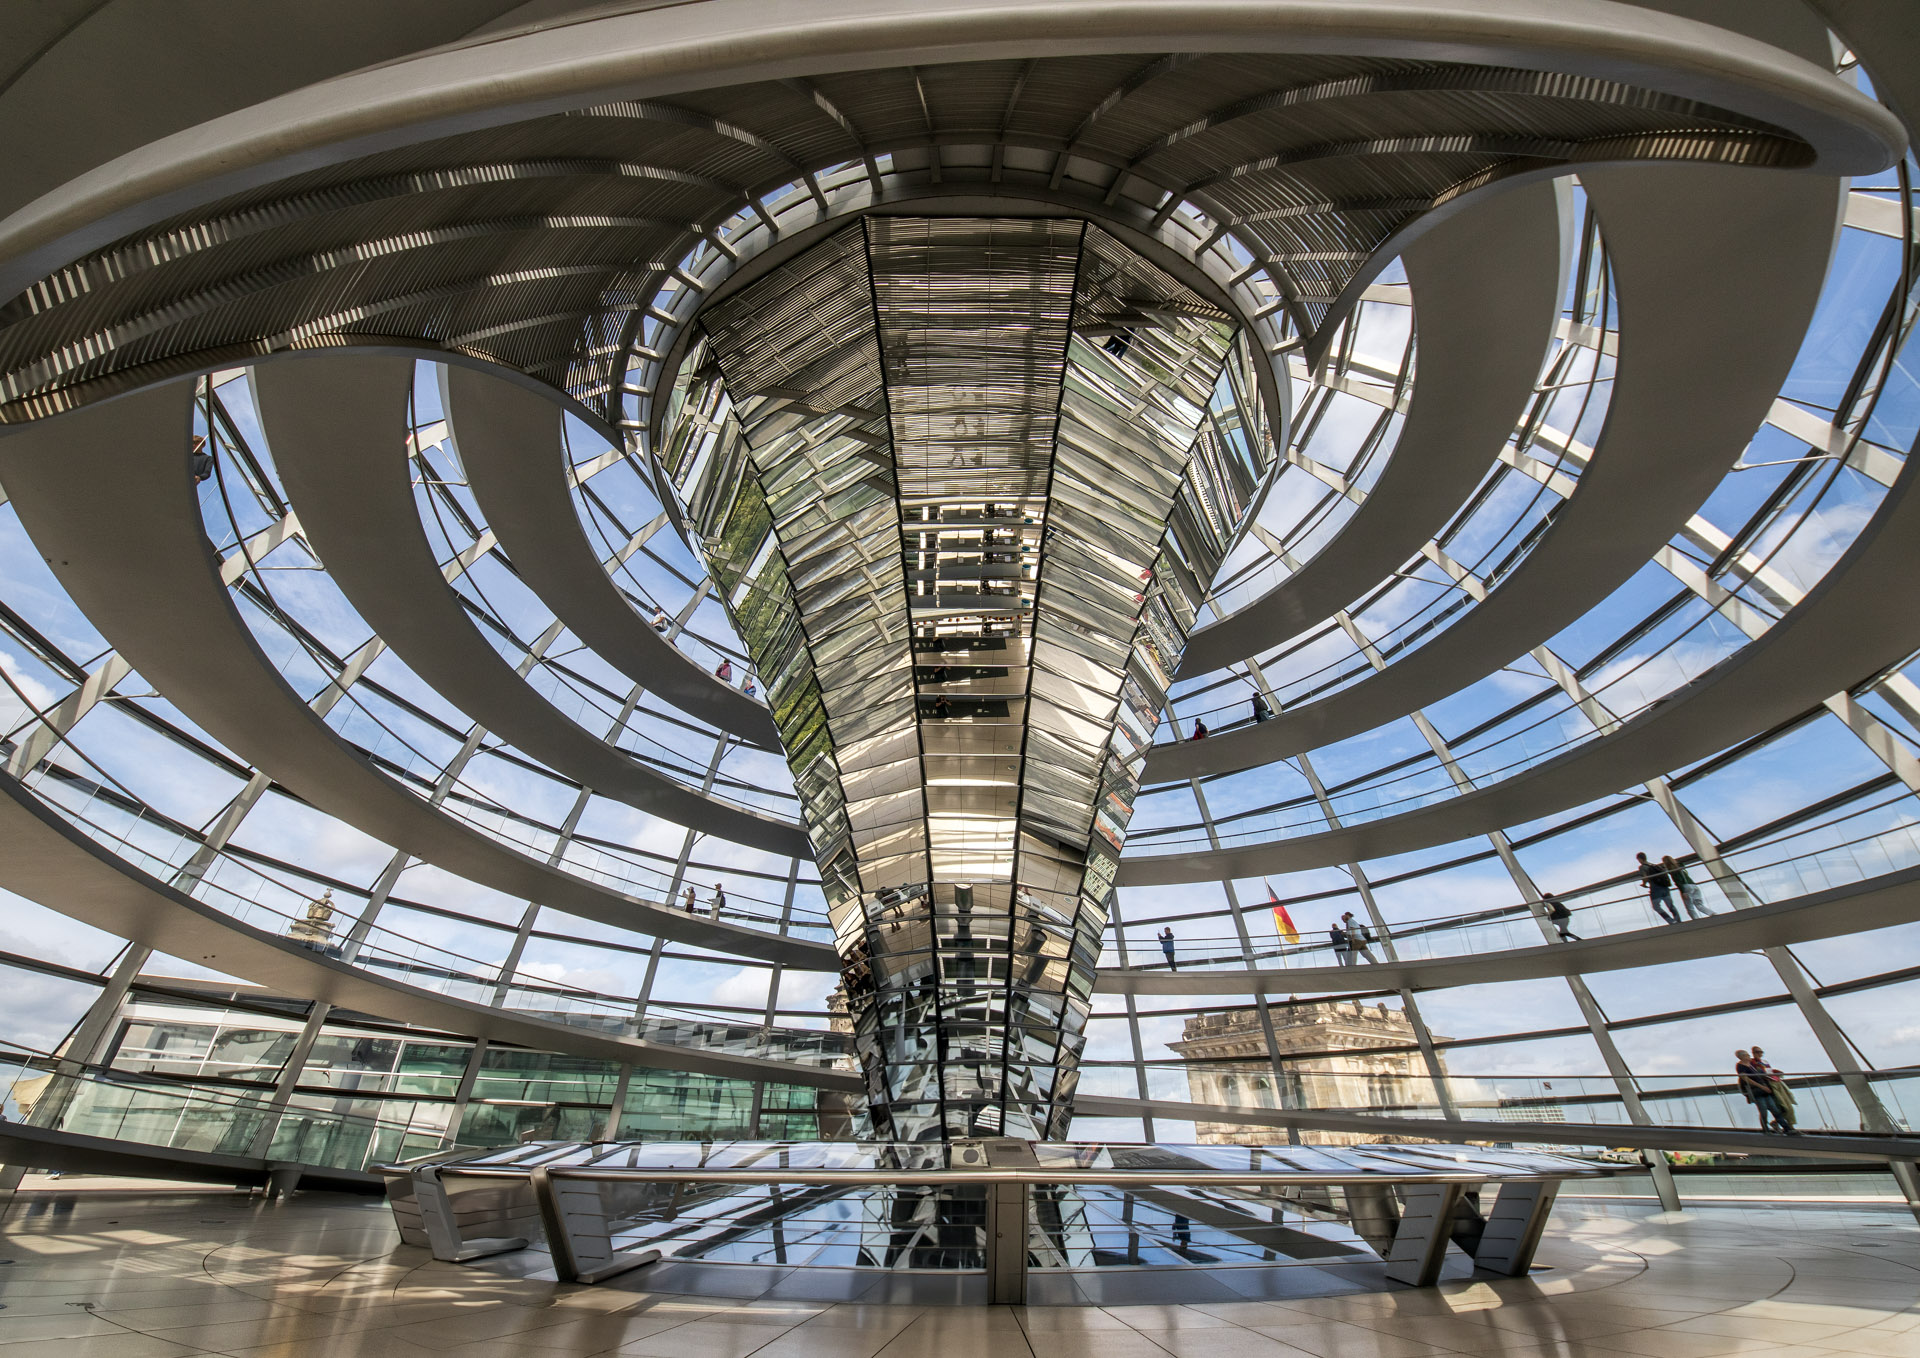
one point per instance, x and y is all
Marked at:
(49, 861)
(1877, 903)
(85, 276)
(1717, 271)
(1449, 79)
(1851, 624)
(105, 495)
(229, 291)
(650, 111)
(663, 52)
(508, 437)
(1135, 81)
(337, 425)
(1486, 291)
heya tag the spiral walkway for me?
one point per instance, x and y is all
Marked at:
(665, 568)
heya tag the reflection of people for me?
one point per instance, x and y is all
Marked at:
(315, 929)
(546, 1128)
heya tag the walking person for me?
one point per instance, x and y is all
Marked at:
(1199, 730)
(1560, 917)
(1166, 947)
(1689, 893)
(690, 900)
(1359, 937)
(719, 900)
(1759, 1092)
(1659, 889)
(1342, 945)
(747, 687)
(1261, 712)
(1782, 1096)
(725, 673)
(660, 621)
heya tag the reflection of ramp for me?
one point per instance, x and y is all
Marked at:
(727, 1223)
(1289, 1242)
(852, 1214)
(77, 1153)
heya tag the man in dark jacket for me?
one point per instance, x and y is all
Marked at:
(1659, 885)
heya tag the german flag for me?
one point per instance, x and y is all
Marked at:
(1282, 921)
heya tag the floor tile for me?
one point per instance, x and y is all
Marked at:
(1333, 1339)
(1219, 1343)
(73, 1325)
(703, 1339)
(1169, 1318)
(98, 1346)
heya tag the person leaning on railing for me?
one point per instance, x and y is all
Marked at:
(1659, 884)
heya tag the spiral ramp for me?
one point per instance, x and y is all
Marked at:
(1579, 370)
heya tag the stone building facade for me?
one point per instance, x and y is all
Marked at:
(1330, 1057)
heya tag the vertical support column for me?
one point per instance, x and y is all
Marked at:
(1839, 1052)
(1119, 927)
(1429, 1054)
(1702, 844)
(377, 895)
(1873, 1114)
(1514, 1227)
(1260, 1007)
(442, 1224)
(674, 883)
(89, 1036)
(1007, 1228)
(1426, 1227)
(575, 1219)
(773, 998)
(1657, 1168)
(1422, 1036)
(463, 1092)
(289, 1077)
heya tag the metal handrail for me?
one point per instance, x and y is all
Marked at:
(1023, 1174)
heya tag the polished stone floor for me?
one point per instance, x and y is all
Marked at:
(99, 1274)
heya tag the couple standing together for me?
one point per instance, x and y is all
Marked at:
(1662, 880)
(1766, 1089)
